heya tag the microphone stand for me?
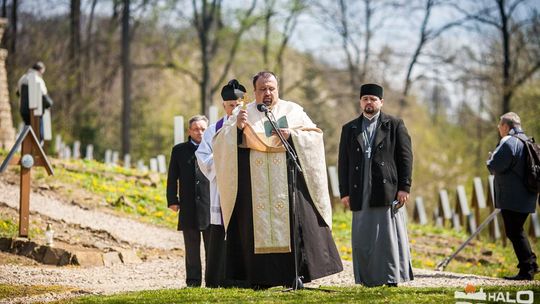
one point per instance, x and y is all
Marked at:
(293, 167)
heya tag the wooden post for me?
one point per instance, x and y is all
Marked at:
(24, 199)
(32, 154)
(34, 122)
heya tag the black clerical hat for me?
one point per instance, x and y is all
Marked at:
(371, 89)
(233, 90)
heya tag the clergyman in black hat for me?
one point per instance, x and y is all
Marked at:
(375, 169)
(232, 94)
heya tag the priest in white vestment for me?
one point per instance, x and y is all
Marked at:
(255, 193)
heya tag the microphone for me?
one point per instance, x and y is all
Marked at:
(262, 107)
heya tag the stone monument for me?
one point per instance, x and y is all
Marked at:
(7, 131)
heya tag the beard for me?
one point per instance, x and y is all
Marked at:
(369, 110)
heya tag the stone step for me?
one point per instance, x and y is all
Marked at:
(67, 255)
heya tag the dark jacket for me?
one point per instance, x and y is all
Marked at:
(508, 165)
(391, 167)
(188, 187)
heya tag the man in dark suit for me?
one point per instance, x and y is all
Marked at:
(188, 193)
(375, 168)
(508, 163)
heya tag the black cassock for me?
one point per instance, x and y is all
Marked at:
(318, 256)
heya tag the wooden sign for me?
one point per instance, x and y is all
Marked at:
(32, 154)
(419, 213)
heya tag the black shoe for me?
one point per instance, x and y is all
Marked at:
(528, 276)
(193, 283)
(391, 284)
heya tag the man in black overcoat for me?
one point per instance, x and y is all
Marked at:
(375, 169)
(188, 194)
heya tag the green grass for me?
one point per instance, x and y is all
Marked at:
(13, 291)
(341, 295)
(10, 228)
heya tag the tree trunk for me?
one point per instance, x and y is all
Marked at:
(266, 42)
(367, 40)
(416, 54)
(205, 82)
(74, 82)
(507, 81)
(126, 80)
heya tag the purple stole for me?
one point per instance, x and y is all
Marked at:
(219, 124)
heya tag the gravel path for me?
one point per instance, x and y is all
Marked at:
(158, 273)
(123, 229)
(165, 274)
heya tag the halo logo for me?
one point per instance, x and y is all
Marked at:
(471, 296)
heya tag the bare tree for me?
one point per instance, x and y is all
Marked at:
(426, 34)
(501, 15)
(207, 20)
(269, 12)
(292, 11)
(355, 22)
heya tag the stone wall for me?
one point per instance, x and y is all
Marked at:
(7, 131)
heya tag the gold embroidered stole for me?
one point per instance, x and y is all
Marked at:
(270, 202)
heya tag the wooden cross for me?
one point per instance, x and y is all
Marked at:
(32, 154)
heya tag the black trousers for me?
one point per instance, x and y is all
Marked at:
(214, 275)
(192, 244)
(513, 225)
(215, 264)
